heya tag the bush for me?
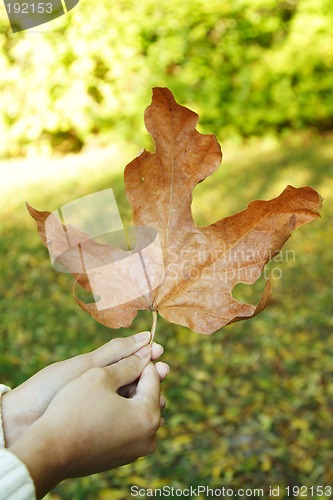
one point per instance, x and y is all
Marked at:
(249, 67)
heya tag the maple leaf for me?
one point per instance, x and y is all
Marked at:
(201, 265)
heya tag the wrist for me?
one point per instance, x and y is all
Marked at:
(13, 419)
(3, 390)
(40, 452)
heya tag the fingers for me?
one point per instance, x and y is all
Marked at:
(117, 349)
(162, 403)
(129, 390)
(156, 351)
(148, 387)
(162, 369)
(127, 370)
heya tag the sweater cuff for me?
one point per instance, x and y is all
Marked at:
(3, 389)
(15, 480)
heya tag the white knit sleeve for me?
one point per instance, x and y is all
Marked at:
(15, 480)
(3, 389)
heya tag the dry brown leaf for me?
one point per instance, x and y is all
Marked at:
(202, 265)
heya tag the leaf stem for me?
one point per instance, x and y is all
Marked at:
(153, 326)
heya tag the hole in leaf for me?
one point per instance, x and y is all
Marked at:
(250, 294)
(84, 295)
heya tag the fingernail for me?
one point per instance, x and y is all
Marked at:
(140, 337)
(159, 346)
(143, 352)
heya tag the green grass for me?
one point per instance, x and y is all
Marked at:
(247, 407)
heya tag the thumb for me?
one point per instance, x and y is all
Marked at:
(148, 388)
(129, 369)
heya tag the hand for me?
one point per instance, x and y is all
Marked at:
(22, 406)
(88, 427)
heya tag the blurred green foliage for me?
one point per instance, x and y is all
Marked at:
(249, 67)
(249, 406)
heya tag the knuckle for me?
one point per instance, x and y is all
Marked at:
(133, 363)
(116, 343)
(96, 375)
(85, 361)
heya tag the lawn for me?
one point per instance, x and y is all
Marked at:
(249, 406)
